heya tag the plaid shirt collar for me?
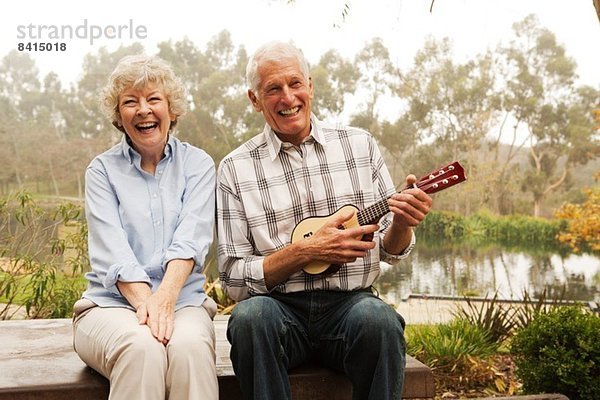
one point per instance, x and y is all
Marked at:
(274, 144)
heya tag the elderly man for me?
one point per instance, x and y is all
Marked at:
(300, 265)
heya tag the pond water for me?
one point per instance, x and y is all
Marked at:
(457, 270)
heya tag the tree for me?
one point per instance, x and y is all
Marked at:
(583, 230)
(333, 78)
(220, 115)
(452, 106)
(541, 95)
(86, 119)
(376, 76)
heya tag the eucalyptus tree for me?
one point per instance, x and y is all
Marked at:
(18, 84)
(33, 114)
(87, 119)
(544, 101)
(220, 115)
(10, 173)
(451, 107)
(377, 74)
(334, 78)
(19, 81)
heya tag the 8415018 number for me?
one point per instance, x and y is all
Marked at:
(42, 46)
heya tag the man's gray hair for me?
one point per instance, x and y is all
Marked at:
(273, 51)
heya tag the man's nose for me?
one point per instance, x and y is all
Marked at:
(287, 95)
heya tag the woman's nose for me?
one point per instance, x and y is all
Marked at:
(144, 108)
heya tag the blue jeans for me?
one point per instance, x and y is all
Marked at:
(353, 332)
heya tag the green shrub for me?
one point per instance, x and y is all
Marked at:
(489, 315)
(449, 346)
(43, 252)
(501, 320)
(559, 352)
(531, 308)
(443, 224)
(510, 230)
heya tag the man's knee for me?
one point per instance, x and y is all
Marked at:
(373, 317)
(255, 311)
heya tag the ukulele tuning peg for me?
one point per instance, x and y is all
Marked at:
(451, 167)
(435, 186)
(431, 176)
(445, 181)
(455, 177)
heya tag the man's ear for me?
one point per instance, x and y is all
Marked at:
(310, 87)
(254, 101)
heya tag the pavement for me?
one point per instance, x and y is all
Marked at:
(417, 311)
(13, 312)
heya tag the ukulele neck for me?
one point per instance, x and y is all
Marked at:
(373, 213)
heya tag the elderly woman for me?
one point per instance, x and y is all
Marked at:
(144, 321)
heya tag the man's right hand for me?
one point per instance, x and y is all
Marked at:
(338, 246)
(329, 244)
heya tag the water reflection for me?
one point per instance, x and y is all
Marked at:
(446, 269)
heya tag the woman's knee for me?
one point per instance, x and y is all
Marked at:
(140, 347)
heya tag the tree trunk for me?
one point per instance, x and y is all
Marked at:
(536, 208)
(53, 177)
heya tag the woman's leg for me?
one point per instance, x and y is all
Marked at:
(111, 341)
(191, 372)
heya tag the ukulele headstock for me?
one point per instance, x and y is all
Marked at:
(442, 178)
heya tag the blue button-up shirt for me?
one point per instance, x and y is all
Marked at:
(138, 222)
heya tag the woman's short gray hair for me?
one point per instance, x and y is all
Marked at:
(273, 51)
(137, 71)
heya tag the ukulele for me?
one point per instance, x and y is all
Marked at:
(433, 182)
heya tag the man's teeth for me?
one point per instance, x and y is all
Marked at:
(290, 111)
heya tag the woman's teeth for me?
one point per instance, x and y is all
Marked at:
(146, 126)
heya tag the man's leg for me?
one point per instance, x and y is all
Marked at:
(364, 337)
(266, 340)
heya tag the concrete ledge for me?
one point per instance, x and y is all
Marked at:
(549, 396)
(37, 361)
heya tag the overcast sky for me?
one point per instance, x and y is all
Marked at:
(314, 25)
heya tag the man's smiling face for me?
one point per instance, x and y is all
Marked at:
(284, 98)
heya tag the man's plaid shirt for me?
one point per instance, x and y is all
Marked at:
(265, 187)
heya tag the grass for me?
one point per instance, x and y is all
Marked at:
(463, 359)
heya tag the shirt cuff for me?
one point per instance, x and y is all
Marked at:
(181, 251)
(255, 275)
(394, 258)
(126, 273)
